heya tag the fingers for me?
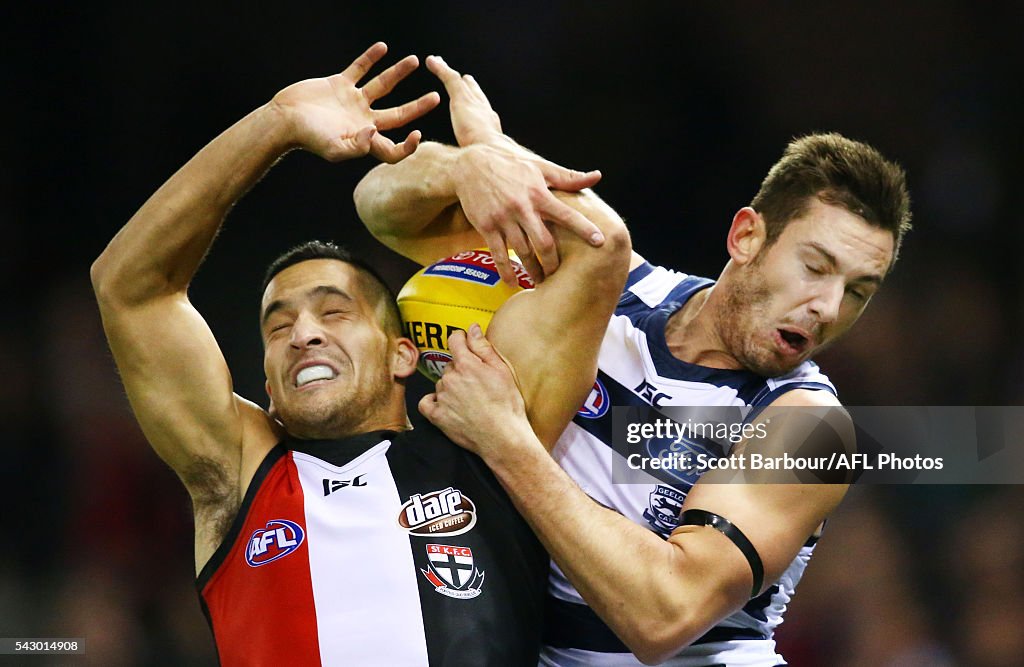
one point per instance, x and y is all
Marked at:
(542, 243)
(356, 145)
(480, 346)
(361, 65)
(524, 250)
(458, 347)
(383, 83)
(428, 406)
(533, 266)
(439, 68)
(569, 180)
(475, 88)
(386, 150)
(562, 214)
(499, 251)
(386, 119)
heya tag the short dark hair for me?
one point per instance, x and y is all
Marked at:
(376, 290)
(838, 171)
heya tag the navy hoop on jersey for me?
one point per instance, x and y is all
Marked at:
(636, 368)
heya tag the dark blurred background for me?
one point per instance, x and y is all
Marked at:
(684, 106)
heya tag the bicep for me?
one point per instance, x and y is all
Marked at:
(774, 513)
(177, 382)
(778, 519)
(447, 234)
(551, 335)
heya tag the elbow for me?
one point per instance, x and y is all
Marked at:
(99, 275)
(366, 197)
(655, 641)
(618, 242)
(614, 254)
(653, 652)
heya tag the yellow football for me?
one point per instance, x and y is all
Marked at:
(449, 295)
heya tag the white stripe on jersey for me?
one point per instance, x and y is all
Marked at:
(352, 561)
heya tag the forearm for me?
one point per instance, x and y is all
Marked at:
(646, 589)
(159, 250)
(401, 200)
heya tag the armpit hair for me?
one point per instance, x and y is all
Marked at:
(215, 496)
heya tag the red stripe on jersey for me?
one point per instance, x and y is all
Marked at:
(263, 613)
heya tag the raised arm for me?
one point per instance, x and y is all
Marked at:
(172, 368)
(656, 595)
(488, 190)
(551, 334)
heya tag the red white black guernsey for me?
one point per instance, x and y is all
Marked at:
(385, 548)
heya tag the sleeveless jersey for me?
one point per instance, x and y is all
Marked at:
(636, 368)
(383, 549)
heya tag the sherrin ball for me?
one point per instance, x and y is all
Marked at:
(449, 295)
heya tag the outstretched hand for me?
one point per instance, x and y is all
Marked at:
(476, 402)
(331, 116)
(504, 189)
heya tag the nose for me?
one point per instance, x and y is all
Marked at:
(306, 332)
(826, 302)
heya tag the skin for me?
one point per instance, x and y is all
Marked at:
(319, 315)
(173, 370)
(172, 367)
(815, 281)
(811, 284)
(817, 277)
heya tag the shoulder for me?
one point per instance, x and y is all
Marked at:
(649, 288)
(806, 398)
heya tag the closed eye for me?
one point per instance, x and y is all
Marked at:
(814, 270)
(857, 295)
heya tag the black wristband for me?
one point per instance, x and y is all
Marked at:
(725, 527)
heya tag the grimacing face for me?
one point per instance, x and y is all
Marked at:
(326, 357)
(807, 289)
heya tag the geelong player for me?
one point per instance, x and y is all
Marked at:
(695, 574)
(327, 530)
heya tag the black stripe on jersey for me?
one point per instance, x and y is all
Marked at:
(236, 525)
(341, 452)
(571, 625)
(502, 625)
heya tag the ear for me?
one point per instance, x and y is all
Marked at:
(746, 235)
(403, 358)
(271, 409)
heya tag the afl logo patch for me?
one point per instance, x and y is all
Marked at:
(596, 405)
(435, 361)
(280, 538)
(446, 512)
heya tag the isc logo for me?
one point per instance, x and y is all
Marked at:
(447, 512)
(277, 540)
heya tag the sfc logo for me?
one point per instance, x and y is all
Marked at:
(597, 403)
(277, 540)
(446, 512)
(665, 505)
(450, 570)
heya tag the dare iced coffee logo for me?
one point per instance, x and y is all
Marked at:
(446, 512)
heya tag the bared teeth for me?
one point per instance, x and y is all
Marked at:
(313, 373)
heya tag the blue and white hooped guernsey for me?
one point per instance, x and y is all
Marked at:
(637, 369)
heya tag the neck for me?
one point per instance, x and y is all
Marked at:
(692, 332)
